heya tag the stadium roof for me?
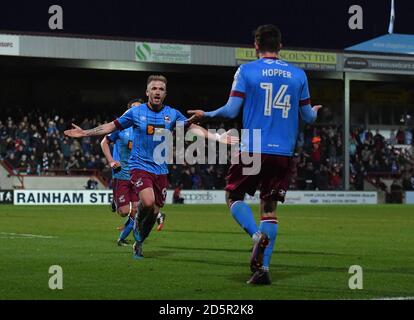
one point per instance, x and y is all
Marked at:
(390, 43)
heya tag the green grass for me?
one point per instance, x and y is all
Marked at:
(203, 254)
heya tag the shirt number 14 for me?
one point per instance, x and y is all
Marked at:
(281, 100)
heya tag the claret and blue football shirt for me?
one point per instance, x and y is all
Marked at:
(146, 123)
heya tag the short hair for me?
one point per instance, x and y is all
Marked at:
(156, 78)
(268, 38)
(135, 100)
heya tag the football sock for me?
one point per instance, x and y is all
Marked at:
(129, 224)
(244, 216)
(268, 226)
(148, 224)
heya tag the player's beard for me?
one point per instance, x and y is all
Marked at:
(156, 105)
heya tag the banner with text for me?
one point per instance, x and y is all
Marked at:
(104, 197)
(379, 64)
(324, 197)
(162, 52)
(310, 60)
(9, 45)
(62, 197)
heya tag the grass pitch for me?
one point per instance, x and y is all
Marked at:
(203, 254)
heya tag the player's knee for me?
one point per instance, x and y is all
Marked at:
(232, 197)
(148, 203)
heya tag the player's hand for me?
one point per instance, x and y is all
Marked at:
(195, 115)
(316, 108)
(114, 164)
(227, 138)
(76, 132)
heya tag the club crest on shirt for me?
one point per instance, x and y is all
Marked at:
(155, 129)
(167, 119)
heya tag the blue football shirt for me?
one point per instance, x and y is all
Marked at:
(274, 92)
(147, 124)
(122, 140)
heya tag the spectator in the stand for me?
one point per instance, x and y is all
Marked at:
(301, 140)
(65, 147)
(378, 140)
(45, 162)
(22, 165)
(174, 176)
(195, 179)
(177, 199)
(209, 178)
(366, 155)
(61, 125)
(73, 164)
(82, 163)
(51, 129)
(394, 167)
(332, 150)
(352, 146)
(75, 145)
(309, 176)
(400, 136)
(11, 159)
(219, 182)
(86, 144)
(316, 152)
(186, 178)
(322, 178)
(393, 139)
(91, 184)
(408, 136)
(396, 192)
(335, 180)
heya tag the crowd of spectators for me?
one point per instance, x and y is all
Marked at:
(376, 157)
(319, 157)
(34, 144)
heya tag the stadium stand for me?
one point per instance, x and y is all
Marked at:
(32, 143)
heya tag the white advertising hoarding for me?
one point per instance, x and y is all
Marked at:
(324, 197)
(409, 197)
(162, 52)
(101, 197)
(9, 45)
(62, 197)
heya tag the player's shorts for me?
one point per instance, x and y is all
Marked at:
(123, 192)
(273, 179)
(158, 182)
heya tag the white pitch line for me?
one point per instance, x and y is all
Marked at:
(394, 298)
(27, 235)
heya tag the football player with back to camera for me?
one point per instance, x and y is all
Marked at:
(273, 95)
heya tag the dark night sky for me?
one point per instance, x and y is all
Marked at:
(304, 23)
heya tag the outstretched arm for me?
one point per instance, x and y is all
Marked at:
(78, 132)
(308, 113)
(225, 138)
(230, 110)
(107, 152)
